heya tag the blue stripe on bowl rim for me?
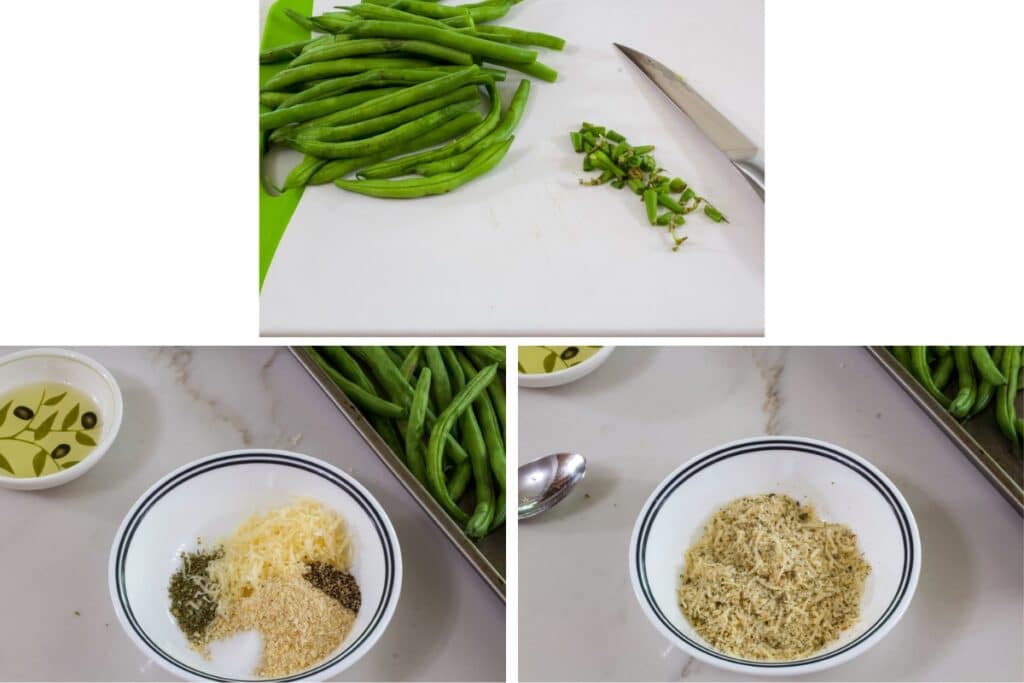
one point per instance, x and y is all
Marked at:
(230, 460)
(776, 444)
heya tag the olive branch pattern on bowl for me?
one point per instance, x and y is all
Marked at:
(561, 360)
(62, 446)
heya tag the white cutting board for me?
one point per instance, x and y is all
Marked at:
(526, 250)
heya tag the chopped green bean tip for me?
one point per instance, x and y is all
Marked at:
(624, 165)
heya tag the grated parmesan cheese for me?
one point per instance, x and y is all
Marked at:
(768, 580)
(278, 544)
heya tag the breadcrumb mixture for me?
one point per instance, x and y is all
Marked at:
(768, 580)
(300, 625)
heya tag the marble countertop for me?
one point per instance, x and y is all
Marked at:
(56, 619)
(647, 410)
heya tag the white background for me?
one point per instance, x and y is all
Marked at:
(130, 209)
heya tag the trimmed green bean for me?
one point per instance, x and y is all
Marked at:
(302, 20)
(376, 78)
(346, 365)
(919, 366)
(943, 371)
(459, 41)
(454, 163)
(375, 144)
(535, 69)
(339, 67)
(366, 87)
(488, 421)
(430, 9)
(333, 170)
(414, 428)
(520, 37)
(441, 387)
(460, 403)
(405, 97)
(274, 100)
(383, 367)
(363, 399)
(380, 46)
(398, 388)
(499, 512)
(362, 129)
(902, 354)
(332, 23)
(300, 175)
(509, 122)
(424, 187)
(987, 368)
(351, 369)
(479, 12)
(986, 392)
(486, 355)
(405, 165)
(1006, 394)
(411, 362)
(458, 482)
(396, 358)
(385, 13)
(454, 369)
(961, 405)
(375, 107)
(473, 441)
(497, 393)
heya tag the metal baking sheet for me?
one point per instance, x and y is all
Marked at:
(486, 556)
(979, 438)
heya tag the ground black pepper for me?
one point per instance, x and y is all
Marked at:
(336, 583)
(191, 606)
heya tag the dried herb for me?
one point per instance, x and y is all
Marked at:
(336, 583)
(192, 603)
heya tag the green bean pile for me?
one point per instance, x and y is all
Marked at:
(441, 410)
(390, 80)
(983, 376)
(623, 165)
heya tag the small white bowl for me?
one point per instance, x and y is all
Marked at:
(209, 498)
(556, 379)
(77, 371)
(843, 487)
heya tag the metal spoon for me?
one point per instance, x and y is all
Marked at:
(545, 482)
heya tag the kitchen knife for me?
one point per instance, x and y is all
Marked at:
(734, 144)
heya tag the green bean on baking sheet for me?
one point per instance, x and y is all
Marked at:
(985, 376)
(457, 454)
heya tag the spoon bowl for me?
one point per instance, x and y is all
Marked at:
(545, 482)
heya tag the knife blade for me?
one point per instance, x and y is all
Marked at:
(736, 146)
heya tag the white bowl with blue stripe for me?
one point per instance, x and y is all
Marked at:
(210, 498)
(843, 487)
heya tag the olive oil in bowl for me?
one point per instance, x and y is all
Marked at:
(45, 428)
(537, 360)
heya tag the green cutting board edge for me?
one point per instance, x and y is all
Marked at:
(276, 211)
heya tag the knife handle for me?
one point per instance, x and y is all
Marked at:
(753, 174)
